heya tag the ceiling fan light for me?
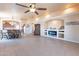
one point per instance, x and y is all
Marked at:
(32, 10)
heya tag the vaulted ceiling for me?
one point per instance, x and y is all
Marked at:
(52, 8)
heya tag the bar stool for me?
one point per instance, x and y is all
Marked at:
(1, 34)
(4, 34)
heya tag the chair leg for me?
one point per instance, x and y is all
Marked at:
(6, 36)
(1, 37)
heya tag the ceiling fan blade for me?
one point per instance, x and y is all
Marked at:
(26, 11)
(36, 12)
(41, 8)
(22, 5)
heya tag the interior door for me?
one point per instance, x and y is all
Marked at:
(37, 29)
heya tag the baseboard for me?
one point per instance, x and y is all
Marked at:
(64, 40)
(71, 41)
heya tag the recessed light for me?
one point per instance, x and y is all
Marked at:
(69, 10)
(47, 16)
(37, 19)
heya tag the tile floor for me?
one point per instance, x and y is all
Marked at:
(38, 46)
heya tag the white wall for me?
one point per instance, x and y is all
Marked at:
(71, 31)
(42, 27)
(28, 29)
(0, 24)
(55, 23)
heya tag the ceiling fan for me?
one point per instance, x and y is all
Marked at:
(32, 8)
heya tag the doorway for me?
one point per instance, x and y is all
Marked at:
(37, 29)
